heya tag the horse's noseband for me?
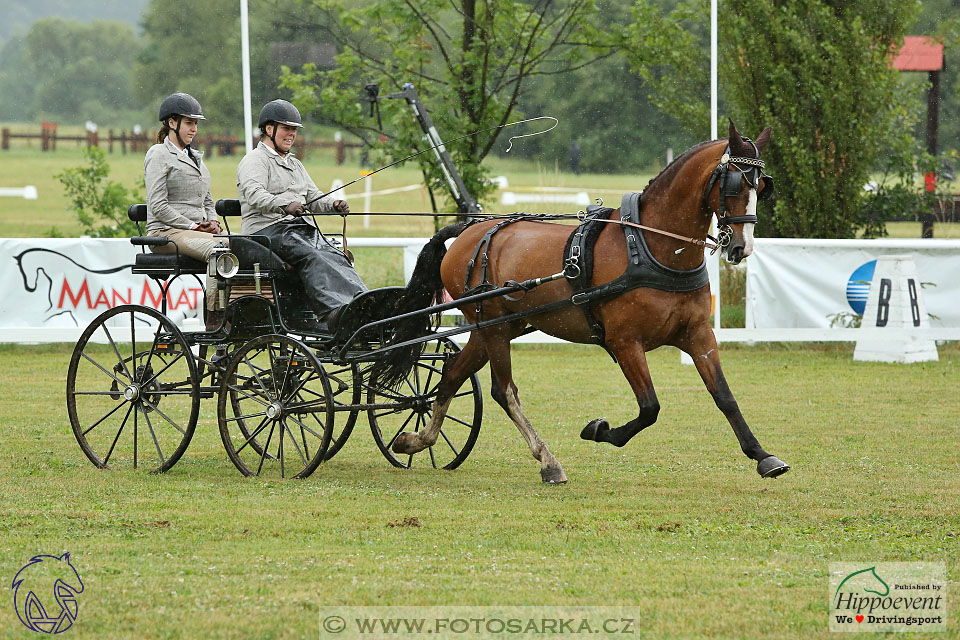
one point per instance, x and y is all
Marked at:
(731, 184)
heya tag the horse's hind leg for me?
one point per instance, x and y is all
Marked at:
(707, 360)
(504, 392)
(455, 373)
(633, 363)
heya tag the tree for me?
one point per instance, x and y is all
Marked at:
(69, 69)
(195, 47)
(470, 61)
(818, 71)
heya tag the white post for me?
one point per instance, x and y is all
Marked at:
(669, 155)
(713, 136)
(245, 57)
(713, 69)
(367, 195)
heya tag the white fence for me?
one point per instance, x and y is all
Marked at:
(54, 287)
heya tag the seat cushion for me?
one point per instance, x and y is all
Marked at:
(169, 261)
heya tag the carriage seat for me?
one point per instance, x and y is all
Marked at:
(249, 250)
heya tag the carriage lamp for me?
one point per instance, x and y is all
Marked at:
(223, 263)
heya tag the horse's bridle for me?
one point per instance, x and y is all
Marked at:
(731, 184)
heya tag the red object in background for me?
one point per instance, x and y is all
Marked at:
(919, 53)
(930, 181)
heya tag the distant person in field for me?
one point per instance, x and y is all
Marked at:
(575, 157)
(274, 190)
(179, 204)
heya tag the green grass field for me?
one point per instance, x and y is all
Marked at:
(676, 527)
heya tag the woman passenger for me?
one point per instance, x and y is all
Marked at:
(179, 204)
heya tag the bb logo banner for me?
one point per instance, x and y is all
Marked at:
(888, 596)
(45, 594)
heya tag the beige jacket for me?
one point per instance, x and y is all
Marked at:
(267, 182)
(178, 191)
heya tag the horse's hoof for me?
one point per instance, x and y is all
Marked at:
(553, 476)
(593, 428)
(771, 467)
(405, 444)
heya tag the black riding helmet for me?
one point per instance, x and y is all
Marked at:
(278, 112)
(180, 105)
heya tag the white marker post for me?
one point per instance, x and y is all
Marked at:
(895, 302)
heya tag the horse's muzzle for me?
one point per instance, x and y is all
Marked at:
(735, 254)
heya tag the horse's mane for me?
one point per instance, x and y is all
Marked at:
(677, 162)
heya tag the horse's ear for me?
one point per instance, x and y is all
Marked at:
(66, 556)
(763, 139)
(733, 138)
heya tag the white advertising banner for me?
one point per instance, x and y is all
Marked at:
(65, 283)
(800, 283)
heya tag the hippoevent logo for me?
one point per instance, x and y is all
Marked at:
(45, 594)
(858, 286)
(888, 597)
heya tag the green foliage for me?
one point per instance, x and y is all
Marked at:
(100, 204)
(195, 47)
(65, 69)
(818, 72)
(470, 62)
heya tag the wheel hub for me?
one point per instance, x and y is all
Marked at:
(274, 410)
(132, 393)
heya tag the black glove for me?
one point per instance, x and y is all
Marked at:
(294, 209)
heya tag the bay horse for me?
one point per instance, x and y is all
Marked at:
(678, 204)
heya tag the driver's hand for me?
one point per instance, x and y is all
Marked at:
(294, 209)
(209, 226)
(341, 206)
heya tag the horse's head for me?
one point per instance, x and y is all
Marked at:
(733, 190)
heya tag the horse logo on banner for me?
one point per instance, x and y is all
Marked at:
(45, 594)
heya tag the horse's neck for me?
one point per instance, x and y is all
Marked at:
(678, 211)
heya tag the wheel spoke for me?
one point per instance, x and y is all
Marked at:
(273, 377)
(99, 366)
(109, 413)
(154, 435)
(247, 396)
(117, 437)
(456, 419)
(163, 415)
(296, 446)
(306, 428)
(256, 377)
(113, 344)
(450, 444)
(136, 410)
(400, 430)
(249, 415)
(154, 377)
(253, 435)
(153, 347)
(263, 454)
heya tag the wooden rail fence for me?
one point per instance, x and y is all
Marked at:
(130, 142)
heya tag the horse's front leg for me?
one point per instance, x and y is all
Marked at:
(703, 350)
(633, 363)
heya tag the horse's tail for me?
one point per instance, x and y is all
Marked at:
(424, 287)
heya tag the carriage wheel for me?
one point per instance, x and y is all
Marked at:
(410, 407)
(274, 409)
(346, 390)
(133, 392)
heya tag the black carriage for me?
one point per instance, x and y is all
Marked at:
(289, 390)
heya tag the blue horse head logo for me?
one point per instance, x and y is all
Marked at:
(45, 593)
